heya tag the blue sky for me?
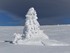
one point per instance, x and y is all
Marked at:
(7, 19)
(12, 12)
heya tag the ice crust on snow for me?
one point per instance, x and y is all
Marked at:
(32, 34)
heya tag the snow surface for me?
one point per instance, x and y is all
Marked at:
(55, 32)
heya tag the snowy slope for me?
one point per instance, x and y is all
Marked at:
(55, 32)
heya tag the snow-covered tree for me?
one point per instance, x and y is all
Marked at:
(32, 34)
(32, 26)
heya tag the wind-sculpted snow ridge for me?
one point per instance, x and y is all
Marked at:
(40, 42)
(54, 43)
(32, 34)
